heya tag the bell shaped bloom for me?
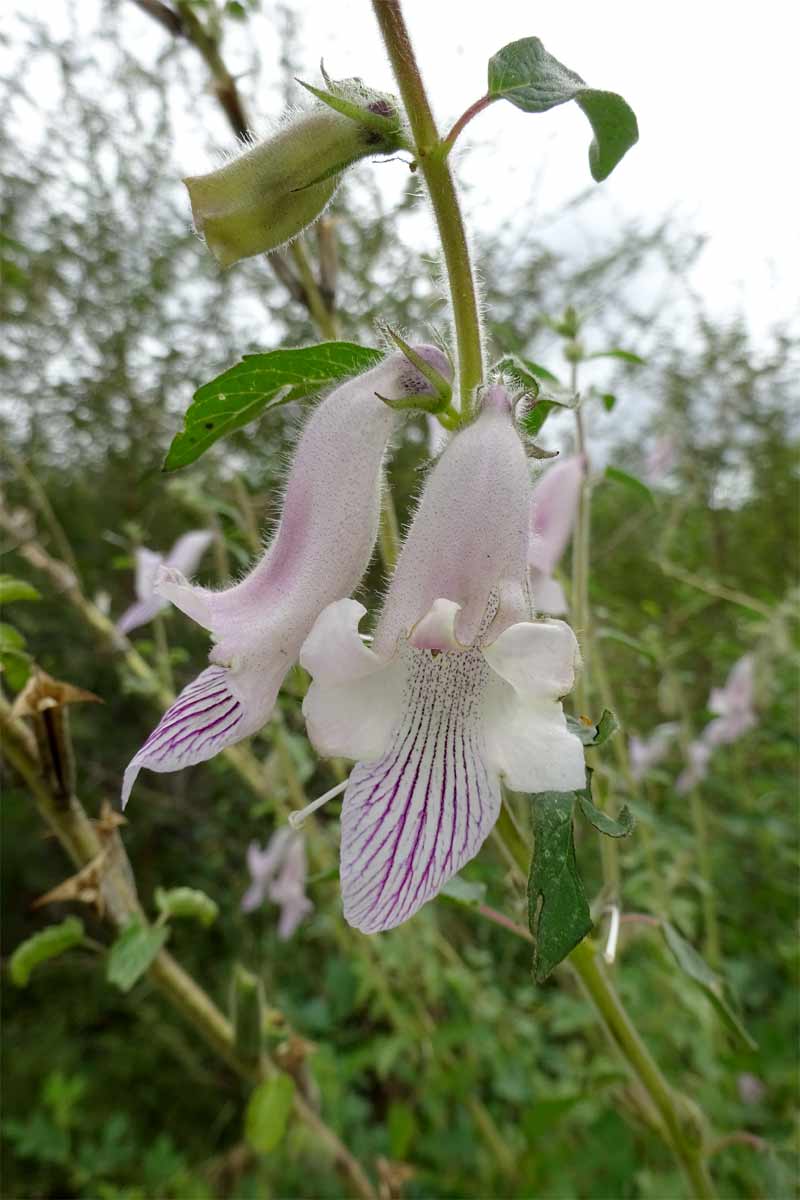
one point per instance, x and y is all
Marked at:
(646, 753)
(320, 550)
(733, 705)
(553, 511)
(459, 689)
(184, 556)
(278, 873)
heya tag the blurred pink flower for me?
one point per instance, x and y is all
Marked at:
(646, 753)
(278, 873)
(184, 557)
(733, 704)
(459, 689)
(699, 755)
(321, 549)
(554, 507)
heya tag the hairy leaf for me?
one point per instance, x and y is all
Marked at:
(624, 355)
(631, 482)
(558, 910)
(48, 943)
(268, 1111)
(133, 952)
(531, 79)
(698, 970)
(259, 382)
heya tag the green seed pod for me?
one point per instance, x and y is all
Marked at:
(262, 199)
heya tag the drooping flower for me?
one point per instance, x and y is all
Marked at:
(553, 511)
(460, 688)
(736, 715)
(275, 188)
(278, 873)
(696, 769)
(646, 753)
(320, 550)
(733, 705)
(184, 557)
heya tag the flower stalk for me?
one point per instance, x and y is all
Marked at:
(431, 155)
(432, 160)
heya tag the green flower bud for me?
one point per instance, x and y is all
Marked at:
(271, 192)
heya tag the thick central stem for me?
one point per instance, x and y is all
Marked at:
(432, 160)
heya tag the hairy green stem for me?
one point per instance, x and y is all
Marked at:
(623, 1033)
(431, 156)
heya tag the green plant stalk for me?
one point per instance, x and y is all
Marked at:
(431, 155)
(325, 320)
(600, 992)
(80, 838)
(163, 663)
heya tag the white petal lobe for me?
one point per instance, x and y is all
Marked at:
(413, 818)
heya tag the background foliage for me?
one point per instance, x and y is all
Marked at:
(430, 1046)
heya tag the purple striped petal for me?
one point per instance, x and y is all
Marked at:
(205, 718)
(413, 818)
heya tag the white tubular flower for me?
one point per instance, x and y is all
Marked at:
(278, 873)
(321, 549)
(460, 689)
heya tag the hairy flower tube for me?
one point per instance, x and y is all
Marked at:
(275, 188)
(278, 873)
(459, 690)
(184, 557)
(320, 550)
(553, 512)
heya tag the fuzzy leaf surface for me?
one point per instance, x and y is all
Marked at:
(526, 75)
(257, 383)
(558, 911)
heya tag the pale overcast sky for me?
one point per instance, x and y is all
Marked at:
(714, 86)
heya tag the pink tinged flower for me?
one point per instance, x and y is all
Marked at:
(184, 556)
(321, 549)
(733, 704)
(278, 874)
(699, 756)
(553, 511)
(459, 689)
(646, 753)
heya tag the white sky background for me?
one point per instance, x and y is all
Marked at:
(714, 86)
(713, 83)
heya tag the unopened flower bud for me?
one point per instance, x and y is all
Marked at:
(271, 192)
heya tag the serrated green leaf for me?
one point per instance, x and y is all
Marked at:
(526, 367)
(259, 382)
(268, 1111)
(698, 970)
(631, 482)
(464, 891)
(609, 400)
(12, 589)
(558, 911)
(532, 80)
(625, 356)
(133, 952)
(187, 902)
(48, 943)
